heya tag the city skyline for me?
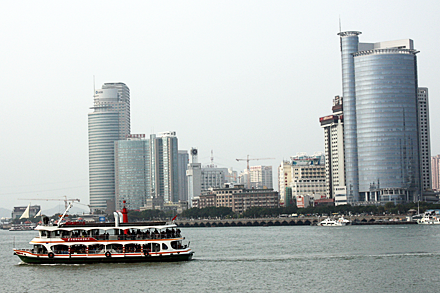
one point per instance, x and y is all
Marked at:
(220, 75)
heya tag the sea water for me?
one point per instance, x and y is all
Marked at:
(401, 258)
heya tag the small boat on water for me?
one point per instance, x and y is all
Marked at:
(429, 218)
(22, 227)
(329, 222)
(123, 242)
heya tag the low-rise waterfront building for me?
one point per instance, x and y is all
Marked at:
(304, 201)
(237, 198)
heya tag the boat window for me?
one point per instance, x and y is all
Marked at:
(96, 248)
(164, 246)
(147, 247)
(176, 244)
(39, 249)
(78, 249)
(114, 248)
(130, 248)
(155, 247)
(60, 249)
(43, 233)
(76, 233)
(65, 233)
(113, 232)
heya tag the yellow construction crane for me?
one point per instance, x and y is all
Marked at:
(248, 169)
(66, 200)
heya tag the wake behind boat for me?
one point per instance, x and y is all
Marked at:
(80, 242)
(329, 222)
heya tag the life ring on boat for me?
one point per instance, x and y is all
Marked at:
(51, 255)
(108, 254)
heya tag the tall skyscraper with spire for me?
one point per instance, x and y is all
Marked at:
(109, 122)
(381, 123)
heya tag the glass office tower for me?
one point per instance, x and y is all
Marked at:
(109, 122)
(380, 119)
(146, 169)
(349, 45)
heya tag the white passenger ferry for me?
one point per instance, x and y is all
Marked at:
(80, 242)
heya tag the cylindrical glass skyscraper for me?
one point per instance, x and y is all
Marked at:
(381, 133)
(349, 45)
(386, 119)
(108, 123)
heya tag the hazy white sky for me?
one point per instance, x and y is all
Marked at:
(236, 77)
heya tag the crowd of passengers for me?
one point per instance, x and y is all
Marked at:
(127, 234)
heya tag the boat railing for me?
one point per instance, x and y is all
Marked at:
(123, 236)
(26, 249)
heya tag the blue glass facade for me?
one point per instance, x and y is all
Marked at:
(349, 45)
(103, 131)
(386, 116)
(109, 122)
(132, 173)
(146, 168)
(381, 133)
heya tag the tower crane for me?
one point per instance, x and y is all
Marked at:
(248, 169)
(66, 200)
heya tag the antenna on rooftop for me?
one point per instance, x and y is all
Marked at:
(340, 29)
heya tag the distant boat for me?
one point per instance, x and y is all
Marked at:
(22, 227)
(429, 218)
(335, 222)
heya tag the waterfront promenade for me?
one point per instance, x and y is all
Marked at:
(291, 221)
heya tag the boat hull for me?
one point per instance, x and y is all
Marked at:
(35, 259)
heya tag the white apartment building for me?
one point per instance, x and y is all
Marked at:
(333, 126)
(261, 177)
(308, 175)
(212, 177)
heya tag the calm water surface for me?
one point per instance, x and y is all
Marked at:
(404, 258)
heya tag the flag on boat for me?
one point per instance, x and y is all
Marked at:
(174, 218)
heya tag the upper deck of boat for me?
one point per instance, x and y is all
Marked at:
(106, 226)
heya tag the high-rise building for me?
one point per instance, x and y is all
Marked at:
(146, 169)
(183, 182)
(261, 177)
(109, 122)
(213, 177)
(435, 171)
(308, 176)
(132, 172)
(381, 133)
(194, 176)
(333, 126)
(284, 179)
(424, 138)
(165, 166)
